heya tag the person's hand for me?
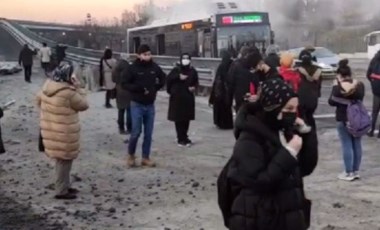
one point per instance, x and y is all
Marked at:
(252, 98)
(75, 82)
(295, 144)
(183, 77)
(146, 92)
(192, 89)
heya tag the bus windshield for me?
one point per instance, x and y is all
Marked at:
(234, 37)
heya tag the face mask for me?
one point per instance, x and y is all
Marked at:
(185, 62)
(288, 119)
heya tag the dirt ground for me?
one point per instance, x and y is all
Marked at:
(179, 194)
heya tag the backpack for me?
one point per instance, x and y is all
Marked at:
(358, 119)
(225, 195)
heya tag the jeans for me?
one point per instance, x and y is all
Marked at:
(125, 116)
(182, 128)
(351, 149)
(27, 72)
(142, 115)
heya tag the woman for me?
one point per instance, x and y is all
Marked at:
(373, 75)
(349, 89)
(268, 163)
(60, 100)
(220, 98)
(123, 97)
(310, 87)
(107, 64)
(182, 82)
(2, 149)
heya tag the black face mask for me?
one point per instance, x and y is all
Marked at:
(287, 124)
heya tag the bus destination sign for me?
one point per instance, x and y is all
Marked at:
(241, 19)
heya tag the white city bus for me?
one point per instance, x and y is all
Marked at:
(373, 43)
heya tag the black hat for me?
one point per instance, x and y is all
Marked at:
(275, 94)
(143, 49)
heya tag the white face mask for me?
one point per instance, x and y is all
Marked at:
(186, 62)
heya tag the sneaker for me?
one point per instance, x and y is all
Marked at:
(68, 196)
(181, 144)
(189, 143)
(346, 176)
(73, 191)
(148, 163)
(357, 176)
(131, 161)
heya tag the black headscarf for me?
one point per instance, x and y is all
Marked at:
(63, 72)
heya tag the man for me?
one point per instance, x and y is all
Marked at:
(143, 79)
(26, 60)
(45, 54)
(242, 83)
(60, 101)
(123, 97)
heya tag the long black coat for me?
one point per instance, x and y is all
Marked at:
(266, 179)
(182, 101)
(220, 97)
(123, 97)
(2, 149)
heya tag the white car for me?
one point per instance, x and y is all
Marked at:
(326, 60)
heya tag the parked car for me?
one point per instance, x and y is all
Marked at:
(326, 60)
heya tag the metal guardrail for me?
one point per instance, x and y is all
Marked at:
(206, 67)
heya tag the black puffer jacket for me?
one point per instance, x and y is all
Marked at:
(239, 80)
(372, 72)
(141, 77)
(266, 179)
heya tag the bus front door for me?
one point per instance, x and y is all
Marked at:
(136, 44)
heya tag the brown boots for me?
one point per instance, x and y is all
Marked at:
(131, 162)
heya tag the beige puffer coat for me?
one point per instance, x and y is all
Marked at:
(60, 103)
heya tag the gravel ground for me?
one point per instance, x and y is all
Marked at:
(179, 194)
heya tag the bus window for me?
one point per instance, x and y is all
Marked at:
(161, 44)
(372, 40)
(136, 44)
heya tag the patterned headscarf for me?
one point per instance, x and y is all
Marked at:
(275, 94)
(63, 72)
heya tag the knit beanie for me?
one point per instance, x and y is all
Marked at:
(275, 94)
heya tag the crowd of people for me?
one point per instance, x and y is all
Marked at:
(261, 186)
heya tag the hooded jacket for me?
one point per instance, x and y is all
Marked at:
(373, 74)
(59, 104)
(347, 89)
(266, 179)
(26, 56)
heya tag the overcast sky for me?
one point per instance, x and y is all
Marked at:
(66, 11)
